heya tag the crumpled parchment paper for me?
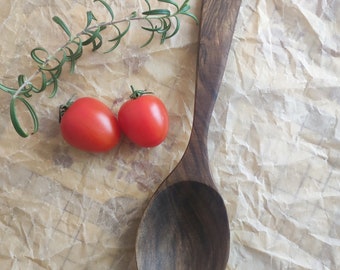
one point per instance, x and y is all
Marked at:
(274, 141)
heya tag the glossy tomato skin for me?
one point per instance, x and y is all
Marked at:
(144, 120)
(89, 125)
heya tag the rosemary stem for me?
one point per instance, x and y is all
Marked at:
(94, 27)
(27, 81)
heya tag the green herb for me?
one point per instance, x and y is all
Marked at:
(162, 22)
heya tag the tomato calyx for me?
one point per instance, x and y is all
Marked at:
(64, 107)
(138, 93)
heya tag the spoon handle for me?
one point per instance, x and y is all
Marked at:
(217, 26)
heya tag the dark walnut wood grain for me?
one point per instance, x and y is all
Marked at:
(185, 226)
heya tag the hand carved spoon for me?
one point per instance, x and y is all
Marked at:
(185, 226)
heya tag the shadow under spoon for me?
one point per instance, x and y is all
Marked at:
(185, 225)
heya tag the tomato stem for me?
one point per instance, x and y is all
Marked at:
(64, 107)
(138, 93)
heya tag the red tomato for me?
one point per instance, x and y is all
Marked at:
(144, 120)
(89, 125)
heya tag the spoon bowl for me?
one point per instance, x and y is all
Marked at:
(185, 225)
(188, 229)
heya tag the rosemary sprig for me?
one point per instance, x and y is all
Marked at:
(50, 65)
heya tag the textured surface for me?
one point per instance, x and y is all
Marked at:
(274, 140)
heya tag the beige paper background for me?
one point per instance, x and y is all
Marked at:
(273, 144)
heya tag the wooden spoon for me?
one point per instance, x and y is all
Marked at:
(185, 225)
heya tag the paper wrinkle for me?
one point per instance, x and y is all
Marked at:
(273, 143)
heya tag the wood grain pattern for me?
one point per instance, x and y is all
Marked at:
(217, 28)
(185, 226)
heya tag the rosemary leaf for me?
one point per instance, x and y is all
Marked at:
(43, 84)
(148, 4)
(192, 16)
(157, 12)
(133, 15)
(78, 53)
(165, 25)
(54, 81)
(61, 23)
(92, 36)
(95, 38)
(27, 86)
(109, 9)
(150, 30)
(97, 43)
(184, 9)
(36, 58)
(15, 120)
(118, 38)
(72, 59)
(7, 89)
(89, 18)
(176, 28)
